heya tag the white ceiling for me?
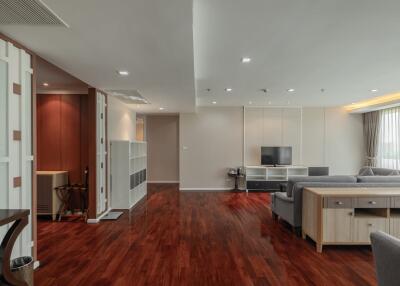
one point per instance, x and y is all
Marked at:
(152, 39)
(59, 82)
(346, 47)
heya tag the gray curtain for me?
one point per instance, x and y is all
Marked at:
(371, 121)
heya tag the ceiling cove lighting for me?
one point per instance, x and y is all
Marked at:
(123, 73)
(45, 84)
(246, 60)
(214, 102)
(291, 90)
(228, 89)
(375, 103)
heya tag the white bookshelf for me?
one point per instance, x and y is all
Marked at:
(128, 173)
(280, 173)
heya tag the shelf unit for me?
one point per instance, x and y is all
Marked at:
(269, 177)
(128, 173)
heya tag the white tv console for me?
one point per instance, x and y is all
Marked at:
(270, 177)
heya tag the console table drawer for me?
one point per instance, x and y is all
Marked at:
(338, 203)
(395, 202)
(372, 202)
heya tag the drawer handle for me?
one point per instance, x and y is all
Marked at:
(339, 203)
(372, 202)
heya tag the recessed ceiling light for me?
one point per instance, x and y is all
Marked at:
(161, 108)
(290, 90)
(228, 89)
(374, 90)
(250, 102)
(123, 73)
(45, 84)
(246, 60)
(214, 102)
(269, 102)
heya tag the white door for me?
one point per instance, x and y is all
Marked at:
(16, 156)
(101, 152)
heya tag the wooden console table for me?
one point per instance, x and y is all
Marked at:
(347, 216)
(20, 219)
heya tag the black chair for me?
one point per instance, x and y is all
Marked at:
(318, 171)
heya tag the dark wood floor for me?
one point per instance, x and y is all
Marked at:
(175, 238)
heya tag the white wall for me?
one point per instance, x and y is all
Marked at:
(319, 136)
(121, 120)
(211, 141)
(121, 125)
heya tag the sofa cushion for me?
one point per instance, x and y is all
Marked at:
(376, 171)
(366, 171)
(328, 179)
(378, 179)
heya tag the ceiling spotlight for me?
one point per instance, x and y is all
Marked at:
(228, 89)
(374, 90)
(214, 102)
(246, 60)
(123, 73)
(290, 90)
(161, 108)
(45, 84)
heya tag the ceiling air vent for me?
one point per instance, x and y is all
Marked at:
(129, 96)
(28, 12)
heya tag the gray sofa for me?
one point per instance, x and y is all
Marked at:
(386, 251)
(287, 205)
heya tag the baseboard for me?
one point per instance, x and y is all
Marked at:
(205, 189)
(163, 182)
(97, 220)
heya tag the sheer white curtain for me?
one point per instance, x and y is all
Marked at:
(389, 141)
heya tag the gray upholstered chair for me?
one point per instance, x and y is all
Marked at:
(386, 251)
(318, 171)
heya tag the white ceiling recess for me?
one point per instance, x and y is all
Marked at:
(347, 48)
(153, 40)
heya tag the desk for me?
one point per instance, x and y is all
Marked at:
(48, 203)
(20, 219)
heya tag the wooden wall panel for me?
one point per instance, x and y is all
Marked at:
(48, 132)
(71, 136)
(62, 134)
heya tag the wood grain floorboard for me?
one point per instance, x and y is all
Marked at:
(196, 238)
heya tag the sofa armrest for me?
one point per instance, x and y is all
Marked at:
(283, 196)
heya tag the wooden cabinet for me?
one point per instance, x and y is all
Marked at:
(341, 224)
(349, 215)
(363, 227)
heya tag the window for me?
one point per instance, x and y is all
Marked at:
(389, 141)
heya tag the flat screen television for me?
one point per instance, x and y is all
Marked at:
(276, 156)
